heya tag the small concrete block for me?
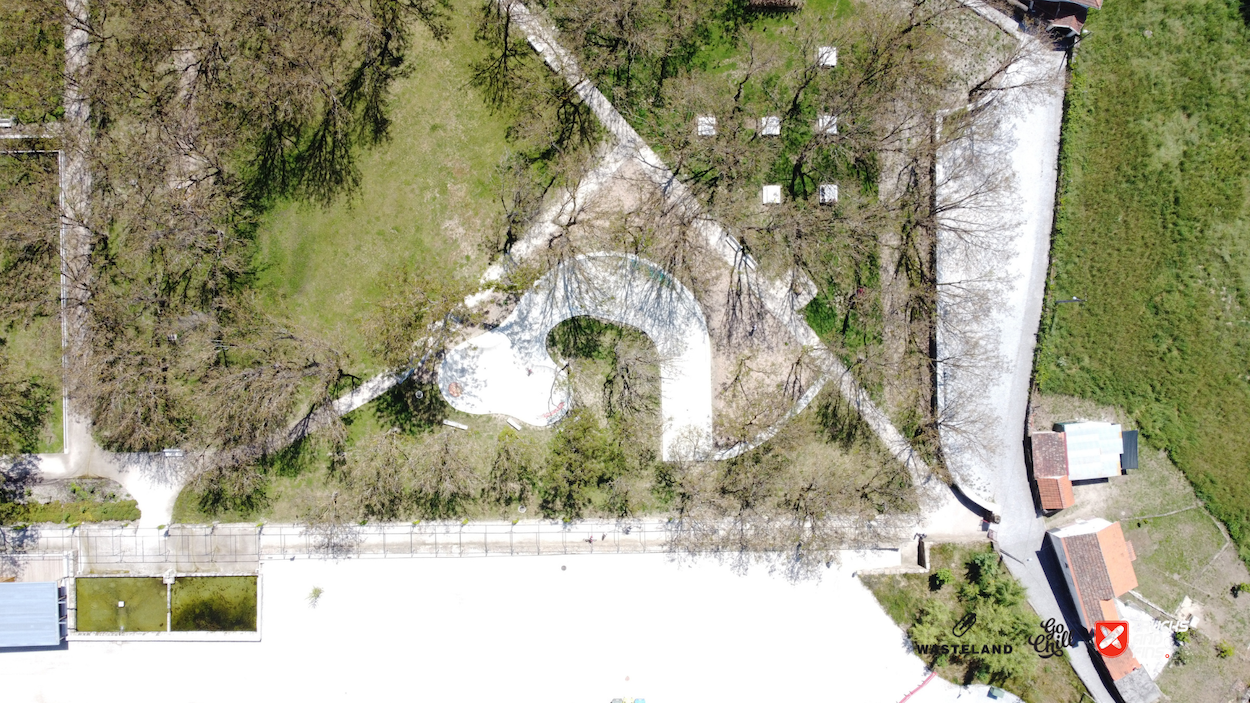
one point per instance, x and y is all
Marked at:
(121, 604)
(457, 425)
(705, 125)
(770, 126)
(826, 124)
(514, 424)
(771, 195)
(827, 56)
(828, 193)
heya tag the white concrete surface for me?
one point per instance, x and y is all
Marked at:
(507, 371)
(518, 630)
(1150, 640)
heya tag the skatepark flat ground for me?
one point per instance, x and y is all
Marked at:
(517, 629)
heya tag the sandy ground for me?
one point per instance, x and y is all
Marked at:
(563, 628)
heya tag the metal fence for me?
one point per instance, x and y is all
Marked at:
(234, 548)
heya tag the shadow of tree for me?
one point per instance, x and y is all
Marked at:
(841, 423)
(412, 406)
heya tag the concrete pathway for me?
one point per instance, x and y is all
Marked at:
(509, 372)
(784, 299)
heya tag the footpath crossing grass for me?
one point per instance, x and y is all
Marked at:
(1153, 230)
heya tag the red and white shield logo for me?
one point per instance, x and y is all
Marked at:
(1111, 637)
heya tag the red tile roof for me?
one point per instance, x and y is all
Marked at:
(1101, 569)
(1121, 666)
(1050, 454)
(1118, 558)
(1056, 493)
(1070, 22)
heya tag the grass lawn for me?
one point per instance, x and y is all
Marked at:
(30, 330)
(32, 55)
(1153, 230)
(35, 351)
(69, 513)
(97, 599)
(214, 603)
(911, 598)
(426, 199)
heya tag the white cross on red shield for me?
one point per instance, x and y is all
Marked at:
(1111, 637)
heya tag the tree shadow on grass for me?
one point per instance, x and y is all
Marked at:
(412, 406)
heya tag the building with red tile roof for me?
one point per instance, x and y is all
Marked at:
(1079, 451)
(1050, 470)
(1097, 565)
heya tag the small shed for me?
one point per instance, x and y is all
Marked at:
(1128, 459)
(705, 125)
(30, 614)
(770, 126)
(771, 195)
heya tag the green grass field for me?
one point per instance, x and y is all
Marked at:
(32, 52)
(214, 603)
(426, 199)
(144, 610)
(1153, 230)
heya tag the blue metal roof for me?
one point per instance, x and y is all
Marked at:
(30, 614)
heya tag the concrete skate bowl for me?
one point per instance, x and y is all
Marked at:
(508, 371)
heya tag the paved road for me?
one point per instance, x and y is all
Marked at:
(1029, 121)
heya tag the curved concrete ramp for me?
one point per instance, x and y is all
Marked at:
(508, 371)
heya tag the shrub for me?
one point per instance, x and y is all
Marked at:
(1223, 650)
(77, 512)
(940, 578)
(1181, 637)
